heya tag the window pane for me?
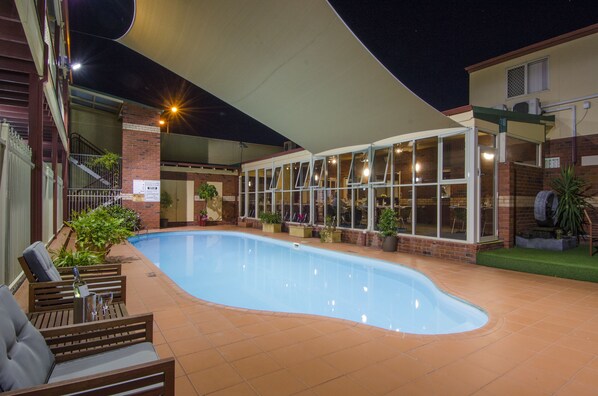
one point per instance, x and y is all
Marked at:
(286, 214)
(426, 215)
(304, 217)
(268, 181)
(453, 156)
(360, 170)
(383, 201)
(454, 211)
(251, 195)
(332, 204)
(242, 196)
(302, 177)
(403, 163)
(403, 205)
(361, 208)
(295, 208)
(537, 76)
(286, 177)
(344, 210)
(344, 165)
(276, 180)
(278, 203)
(516, 81)
(426, 160)
(380, 169)
(521, 151)
(316, 180)
(319, 204)
(331, 168)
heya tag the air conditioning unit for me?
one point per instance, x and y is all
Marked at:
(531, 106)
(288, 145)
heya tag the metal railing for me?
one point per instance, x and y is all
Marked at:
(81, 199)
(85, 173)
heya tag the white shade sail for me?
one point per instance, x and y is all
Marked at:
(292, 65)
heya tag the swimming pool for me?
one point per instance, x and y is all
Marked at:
(253, 272)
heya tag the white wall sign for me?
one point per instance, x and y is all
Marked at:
(152, 191)
(146, 190)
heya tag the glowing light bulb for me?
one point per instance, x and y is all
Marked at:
(488, 156)
(75, 66)
(418, 167)
(174, 109)
(366, 171)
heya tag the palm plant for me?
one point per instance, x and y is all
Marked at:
(571, 191)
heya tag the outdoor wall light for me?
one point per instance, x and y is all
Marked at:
(75, 66)
(488, 156)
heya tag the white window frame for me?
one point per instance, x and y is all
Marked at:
(373, 164)
(525, 77)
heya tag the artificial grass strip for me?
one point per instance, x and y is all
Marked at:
(572, 264)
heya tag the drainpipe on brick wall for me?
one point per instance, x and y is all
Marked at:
(573, 127)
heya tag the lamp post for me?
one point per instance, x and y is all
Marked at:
(168, 115)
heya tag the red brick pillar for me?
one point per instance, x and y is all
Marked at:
(506, 204)
(141, 158)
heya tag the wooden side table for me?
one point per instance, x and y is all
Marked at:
(64, 317)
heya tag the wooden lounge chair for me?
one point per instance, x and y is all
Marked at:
(51, 288)
(100, 358)
(592, 219)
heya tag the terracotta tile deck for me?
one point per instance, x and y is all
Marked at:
(542, 338)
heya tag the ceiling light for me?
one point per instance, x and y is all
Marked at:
(366, 171)
(75, 66)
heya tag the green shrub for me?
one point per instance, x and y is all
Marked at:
(131, 219)
(388, 223)
(97, 230)
(573, 199)
(71, 258)
(270, 218)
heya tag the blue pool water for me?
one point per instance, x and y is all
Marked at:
(247, 271)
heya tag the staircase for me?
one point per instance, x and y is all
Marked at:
(90, 183)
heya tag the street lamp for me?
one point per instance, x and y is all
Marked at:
(167, 117)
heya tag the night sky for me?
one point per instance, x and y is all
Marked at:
(425, 44)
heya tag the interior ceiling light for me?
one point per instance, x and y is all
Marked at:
(366, 171)
(488, 156)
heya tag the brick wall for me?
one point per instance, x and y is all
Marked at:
(562, 148)
(230, 188)
(518, 186)
(141, 157)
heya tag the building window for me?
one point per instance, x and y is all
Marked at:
(528, 78)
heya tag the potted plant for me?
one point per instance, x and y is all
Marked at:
(206, 192)
(301, 230)
(271, 222)
(571, 191)
(202, 218)
(329, 234)
(387, 226)
(165, 203)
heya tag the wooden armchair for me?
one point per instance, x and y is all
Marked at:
(592, 220)
(100, 358)
(51, 288)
